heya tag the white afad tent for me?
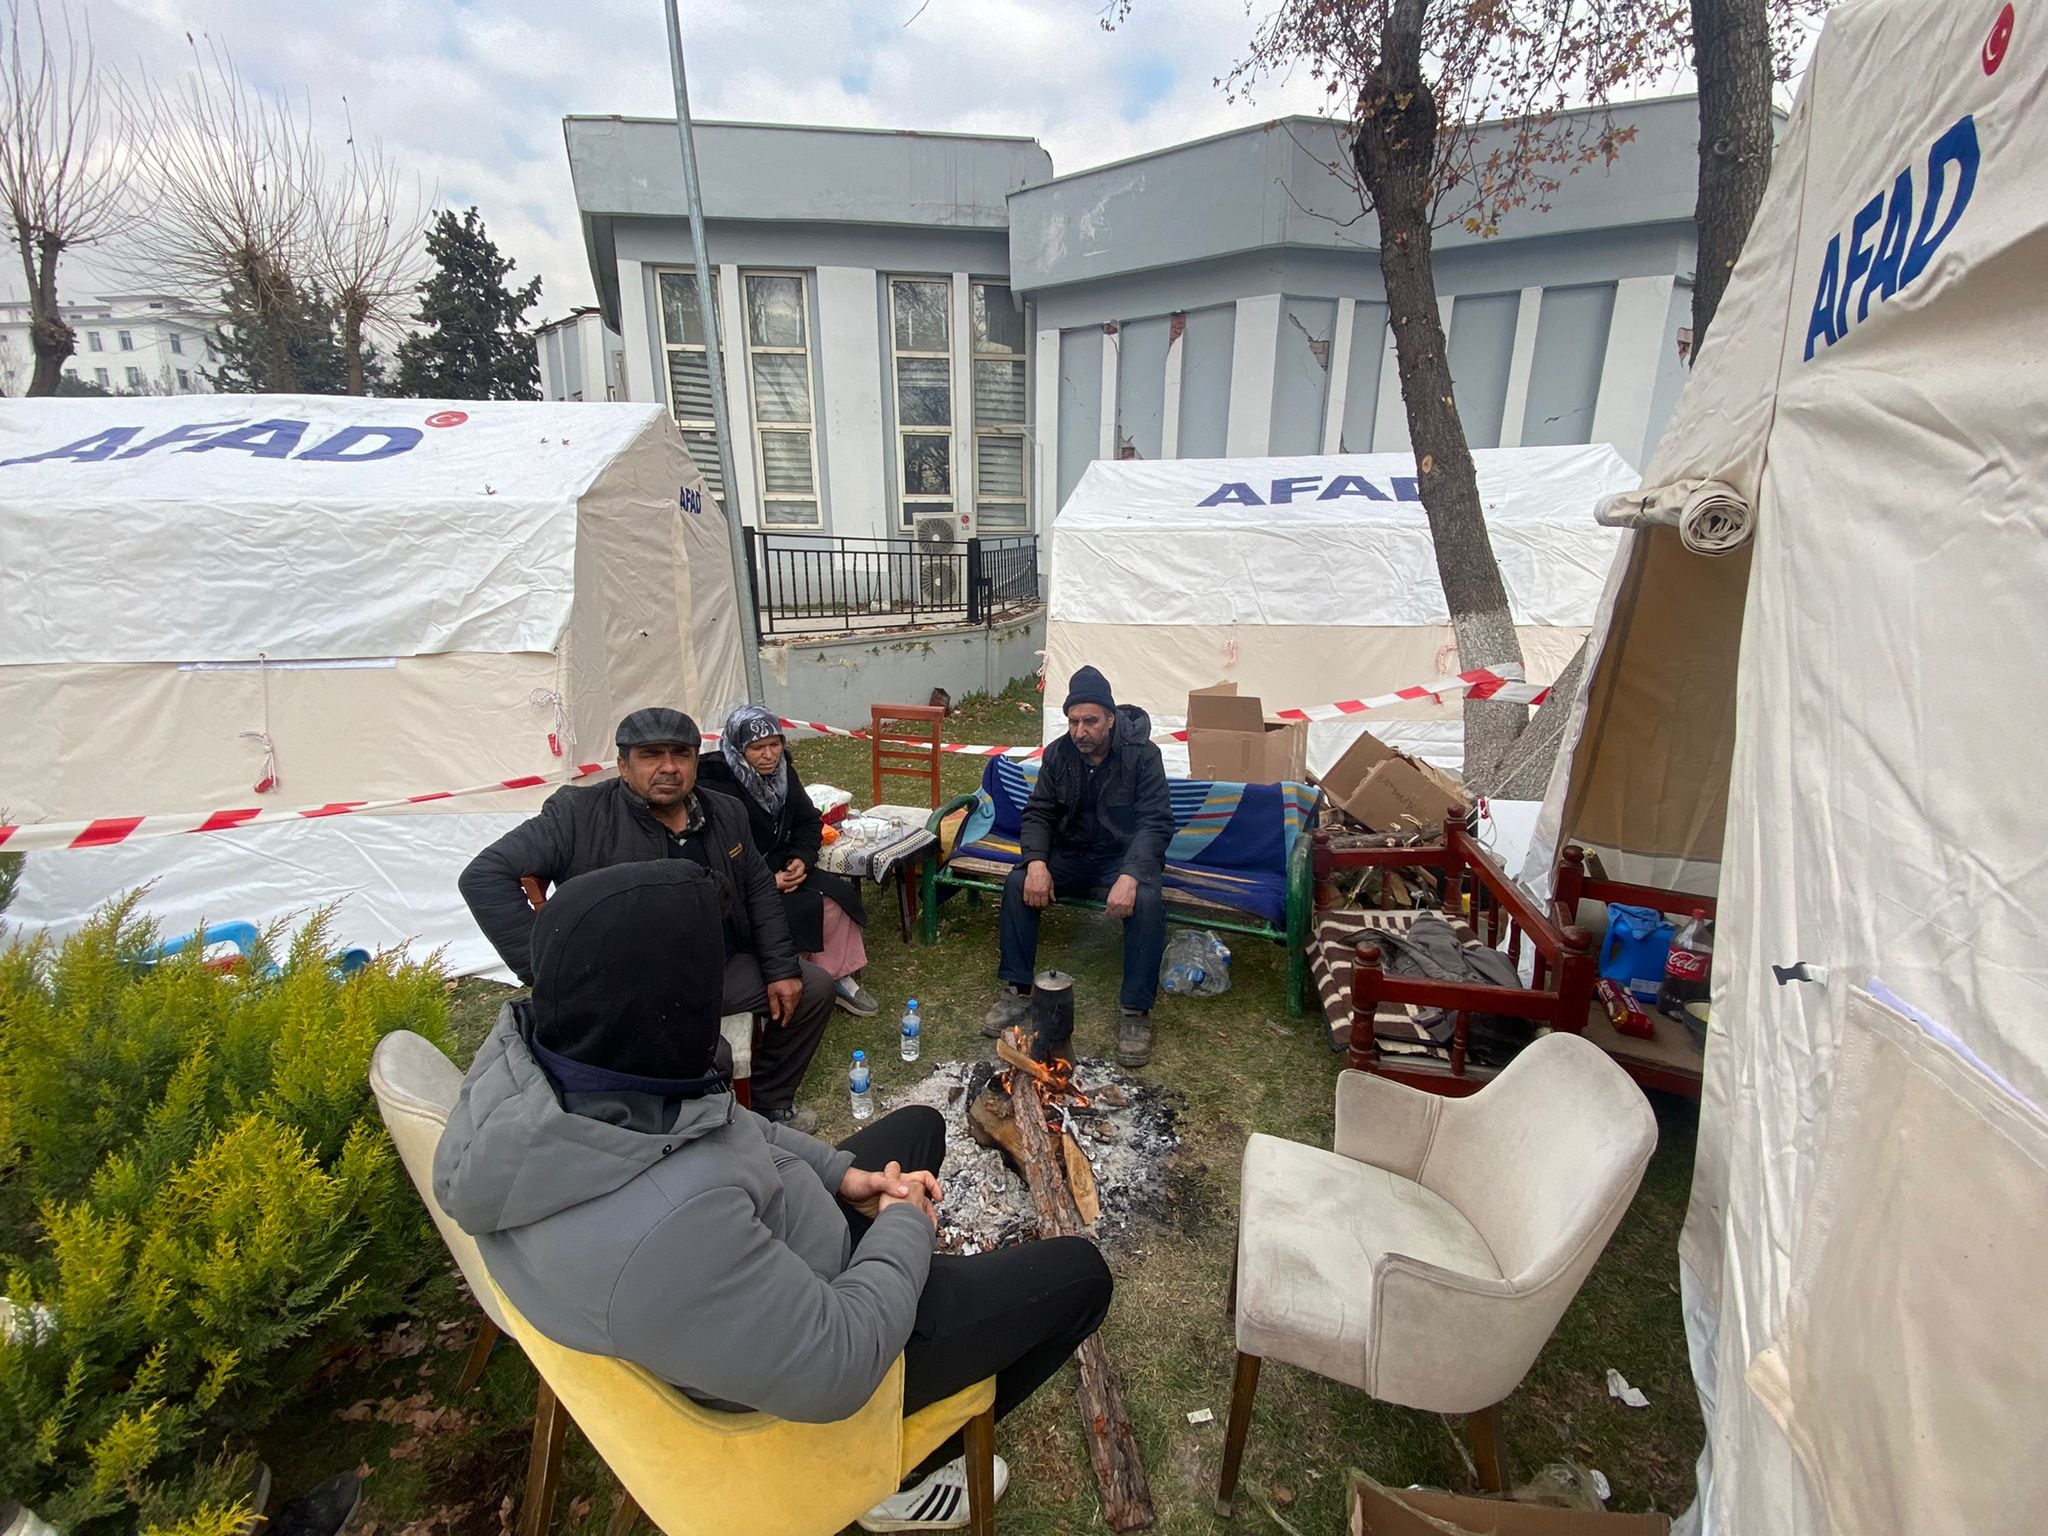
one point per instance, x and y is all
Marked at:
(233, 611)
(1841, 729)
(1310, 581)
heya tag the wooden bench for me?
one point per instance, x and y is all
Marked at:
(1277, 903)
(1496, 912)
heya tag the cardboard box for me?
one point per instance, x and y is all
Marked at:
(1388, 791)
(1230, 738)
(1377, 1511)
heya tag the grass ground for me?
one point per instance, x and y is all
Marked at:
(1243, 1063)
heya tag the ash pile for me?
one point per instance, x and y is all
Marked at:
(1127, 1127)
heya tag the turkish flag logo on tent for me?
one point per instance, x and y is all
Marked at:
(1999, 40)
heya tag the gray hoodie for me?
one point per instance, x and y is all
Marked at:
(714, 1253)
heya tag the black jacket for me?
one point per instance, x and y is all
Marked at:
(581, 829)
(796, 832)
(1134, 809)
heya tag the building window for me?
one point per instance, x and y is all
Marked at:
(99, 377)
(779, 377)
(134, 378)
(92, 340)
(689, 371)
(127, 341)
(920, 338)
(184, 382)
(210, 355)
(177, 343)
(1001, 482)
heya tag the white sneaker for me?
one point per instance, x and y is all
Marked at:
(939, 1503)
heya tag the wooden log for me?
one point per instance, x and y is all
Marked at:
(1081, 1180)
(991, 1120)
(1106, 1423)
(1016, 1056)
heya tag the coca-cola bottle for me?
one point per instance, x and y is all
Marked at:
(1687, 967)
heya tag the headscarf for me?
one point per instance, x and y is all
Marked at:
(751, 723)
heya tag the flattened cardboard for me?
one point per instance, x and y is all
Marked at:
(1230, 739)
(1388, 791)
(1377, 1511)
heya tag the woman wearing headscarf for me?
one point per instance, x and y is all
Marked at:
(754, 767)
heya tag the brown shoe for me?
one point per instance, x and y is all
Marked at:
(1133, 1039)
(1012, 1010)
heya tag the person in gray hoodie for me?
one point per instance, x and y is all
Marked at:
(629, 1207)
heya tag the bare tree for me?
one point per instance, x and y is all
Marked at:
(1455, 112)
(233, 178)
(369, 255)
(64, 162)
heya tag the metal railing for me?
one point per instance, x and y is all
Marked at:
(808, 583)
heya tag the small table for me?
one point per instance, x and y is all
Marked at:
(900, 855)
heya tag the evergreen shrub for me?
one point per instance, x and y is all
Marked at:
(197, 1200)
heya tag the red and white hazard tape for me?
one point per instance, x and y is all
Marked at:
(106, 831)
(1503, 683)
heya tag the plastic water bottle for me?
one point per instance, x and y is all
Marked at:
(857, 1084)
(913, 1032)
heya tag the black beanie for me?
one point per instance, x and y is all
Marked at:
(1088, 686)
(629, 966)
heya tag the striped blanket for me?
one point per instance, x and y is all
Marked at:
(1231, 842)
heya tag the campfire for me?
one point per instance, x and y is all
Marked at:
(992, 1117)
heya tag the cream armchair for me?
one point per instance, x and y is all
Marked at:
(1427, 1259)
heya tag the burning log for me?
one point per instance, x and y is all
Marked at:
(1112, 1449)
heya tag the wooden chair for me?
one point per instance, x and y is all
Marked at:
(905, 741)
(1563, 957)
(690, 1469)
(742, 1031)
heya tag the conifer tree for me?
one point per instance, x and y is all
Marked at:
(473, 343)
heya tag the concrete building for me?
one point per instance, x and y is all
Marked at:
(934, 327)
(128, 343)
(581, 358)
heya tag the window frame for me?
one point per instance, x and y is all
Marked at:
(94, 343)
(910, 506)
(691, 426)
(1019, 431)
(177, 343)
(808, 427)
(126, 340)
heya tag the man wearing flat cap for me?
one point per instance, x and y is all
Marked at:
(654, 810)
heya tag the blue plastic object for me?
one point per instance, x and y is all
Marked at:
(1638, 938)
(246, 939)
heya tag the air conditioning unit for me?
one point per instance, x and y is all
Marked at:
(940, 568)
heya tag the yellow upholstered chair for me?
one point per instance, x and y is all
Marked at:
(690, 1469)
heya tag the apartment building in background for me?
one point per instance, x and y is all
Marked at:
(934, 327)
(128, 343)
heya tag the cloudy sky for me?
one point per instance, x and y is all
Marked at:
(471, 95)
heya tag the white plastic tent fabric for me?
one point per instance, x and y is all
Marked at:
(1861, 1262)
(1312, 580)
(367, 599)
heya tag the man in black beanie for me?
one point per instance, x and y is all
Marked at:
(629, 1207)
(655, 810)
(1098, 820)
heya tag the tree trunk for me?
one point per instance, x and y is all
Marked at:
(1731, 51)
(352, 342)
(1395, 155)
(49, 337)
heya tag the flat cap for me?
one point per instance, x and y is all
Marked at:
(658, 727)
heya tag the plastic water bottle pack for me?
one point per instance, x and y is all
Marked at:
(1196, 964)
